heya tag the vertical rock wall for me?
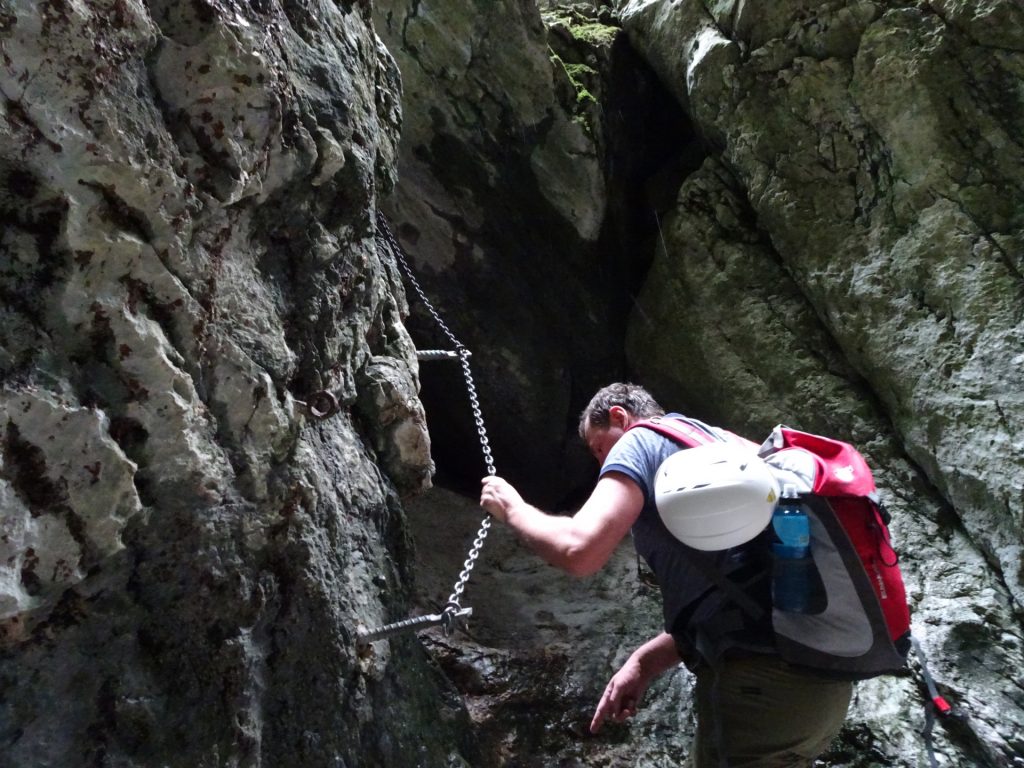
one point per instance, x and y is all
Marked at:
(849, 260)
(188, 195)
(517, 205)
(843, 254)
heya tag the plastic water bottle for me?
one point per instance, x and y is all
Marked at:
(793, 570)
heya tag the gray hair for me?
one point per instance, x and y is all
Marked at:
(633, 398)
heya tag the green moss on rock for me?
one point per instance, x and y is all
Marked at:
(595, 33)
(582, 28)
(577, 74)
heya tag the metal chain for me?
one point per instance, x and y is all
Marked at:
(453, 605)
(396, 249)
(478, 419)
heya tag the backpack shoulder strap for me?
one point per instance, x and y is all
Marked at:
(685, 431)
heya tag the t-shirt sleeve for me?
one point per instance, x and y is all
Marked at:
(632, 457)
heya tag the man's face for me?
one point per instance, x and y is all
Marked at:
(601, 439)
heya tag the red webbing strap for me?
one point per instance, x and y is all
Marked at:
(941, 705)
(678, 430)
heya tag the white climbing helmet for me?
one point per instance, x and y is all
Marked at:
(715, 496)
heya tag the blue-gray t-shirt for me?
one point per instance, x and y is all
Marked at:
(637, 455)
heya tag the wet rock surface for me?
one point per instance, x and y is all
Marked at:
(541, 646)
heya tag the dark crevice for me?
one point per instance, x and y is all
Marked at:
(119, 213)
(184, 21)
(648, 148)
(25, 468)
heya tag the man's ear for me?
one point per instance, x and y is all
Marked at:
(618, 417)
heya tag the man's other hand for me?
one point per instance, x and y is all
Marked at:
(621, 696)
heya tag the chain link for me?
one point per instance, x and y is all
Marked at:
(453, 605)
(399, 254)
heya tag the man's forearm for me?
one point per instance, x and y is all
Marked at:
(580, 544)
(657, 655)
(552, 537)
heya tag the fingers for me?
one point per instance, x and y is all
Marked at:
(489, 487)
(627, 711)
(499, 498)
(606, 707)
(491, 498)
(613, 706)
(601, 712)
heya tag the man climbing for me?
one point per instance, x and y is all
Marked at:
(753, 709)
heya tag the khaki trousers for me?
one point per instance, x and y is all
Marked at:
(763, 713)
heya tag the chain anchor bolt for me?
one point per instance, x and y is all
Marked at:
(425, 355)
(321, 405)
(450, 619)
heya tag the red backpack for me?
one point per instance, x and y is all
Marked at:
(864, 627)
(861, 627)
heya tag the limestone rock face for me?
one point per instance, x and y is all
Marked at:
(854, 246)
(188, 196)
